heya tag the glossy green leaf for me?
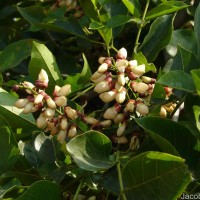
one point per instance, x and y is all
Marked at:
(14, 116)
(181, 37)
(155, 175)
(9, 151)
(196, 78)
(197, 116)
(91, 151)
(197, 28)
(176, 134)
(133, 7)
(86, 72)
(96, 26)
(118, 20)
(15, 53)
(73, 81)
(42, 58)
(106, 34)
(158, 37)
(184, 60)
(165, 8)
(41, 190)
(178, 80)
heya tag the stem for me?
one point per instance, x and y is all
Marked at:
(120, 178)
(78, 190)
(140, 27)
(83, 92)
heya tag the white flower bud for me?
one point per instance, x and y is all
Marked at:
(51, 104)
(90, 120)
(122, 53)
(138, 70)
(118, 87)
(130, 105)
(21, 103)
(71, 113)
(56, 89)
(105, 123)
(121, 129)
(134, 144)
(28, 107)
(133, 63)
(121, 63)
(169, 108)
(121, 96)
(62, 136)
(72, 132)
(102, 87)
(146, 79)
(140, 87)
(121, 140)
(142, 109)
(54, 130)
(121, 79)
(65, 90)
(119, 118)
(43, 76)
(100, 79)
(110, 113)
(61, 101)
(163, 112)
(108, 96)
(95, 76)
(103, 68)
(38, 99)
(101, 60)
(64, 123)
(29, 85)
(49, 112)
(41, 121)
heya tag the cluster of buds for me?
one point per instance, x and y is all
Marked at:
(167, 109)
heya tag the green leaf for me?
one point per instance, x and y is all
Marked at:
(158, 37)
(118, 20)
(197, 28)
(9, 150)
(73, 81)
(41, 190)
(196, 78)
(133, 6)
(86, 72)
(176, 134)
(42, 58)
(165, 8)
(15, 117)
(184, 60)
(91, 151)
(96, 26)
(15, 53)
(155, 175)
(142, 60)
(178, 80)
(106, 34)
(197, 114)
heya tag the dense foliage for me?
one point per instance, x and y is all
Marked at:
(99, 99)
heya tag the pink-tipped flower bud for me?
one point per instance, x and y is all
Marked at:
(51, 104)
(43, 77)
(119, 118)
(121, 129)
(41, 121)
(65, 90)
(61, 101)
(133, 63)
(72, 132)
(90, 120)
(29, 86)
(103, 68)
(118, 87)
(147, 79)
(64, 123)
(95, 76)
(132, 76)
(111, 112)
(71, 113)
(21, 103)
(56, 90)
(105, 123)
(139, 87)
(62, 136)
(100, 79)
(102, 87)
(121, 96)
(101, 60)
(121, 79)
(108, 96)
(130, 106)
(142, 109)
(49, 113)
(41, 84)
(121, 65)
(27, 109)
(122, 53)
